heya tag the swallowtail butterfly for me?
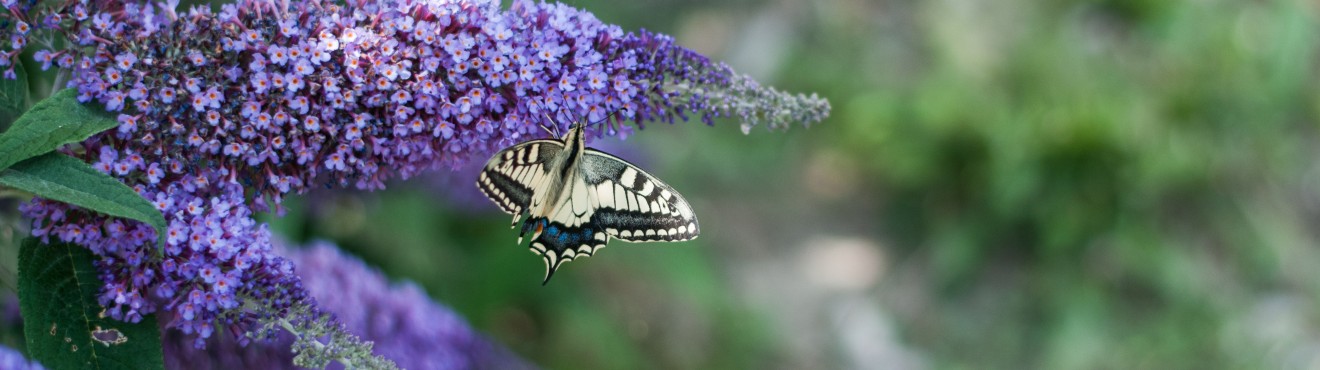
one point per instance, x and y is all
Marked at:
(577, 198)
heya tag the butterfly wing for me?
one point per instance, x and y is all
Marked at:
(606, 197)
(631, 205)
(566, 234)
(516, 174)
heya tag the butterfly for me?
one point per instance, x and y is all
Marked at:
(577, 198)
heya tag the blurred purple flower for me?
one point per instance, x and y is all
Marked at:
(402, 321)
(11, 359)
(230, 112)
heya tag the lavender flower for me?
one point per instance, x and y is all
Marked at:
(224, 114)
(399, 318)
(11, 359)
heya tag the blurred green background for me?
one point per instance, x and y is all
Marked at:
(1002, 184)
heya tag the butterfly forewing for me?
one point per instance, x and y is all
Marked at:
(513, 176)
(632, 205)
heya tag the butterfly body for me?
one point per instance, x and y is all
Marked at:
(576, 199)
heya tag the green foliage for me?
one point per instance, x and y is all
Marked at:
(64, 325)
(28, 163)
(56, 176)
(13, 95)
(1095, 169)
(53, 122)
(587, 320)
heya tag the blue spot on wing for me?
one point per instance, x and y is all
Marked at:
(560, 238)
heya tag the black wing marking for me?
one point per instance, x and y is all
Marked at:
(632, 205)
(557, 243)
(515, 174)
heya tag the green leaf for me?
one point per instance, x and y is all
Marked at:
(51, 123)
(62, 321)
(56, 176)
(13, 95)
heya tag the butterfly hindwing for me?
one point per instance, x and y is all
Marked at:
(566, 232)
(557, 243)
(632, 205)
(512, 177)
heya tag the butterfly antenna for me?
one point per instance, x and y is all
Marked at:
(612, 114)
(609, 118)
(551, 120)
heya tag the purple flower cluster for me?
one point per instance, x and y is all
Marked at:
(13, 360)
(216, 257)
(223, 114)
(402, 321)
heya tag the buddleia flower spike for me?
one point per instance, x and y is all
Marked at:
(224, 114)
